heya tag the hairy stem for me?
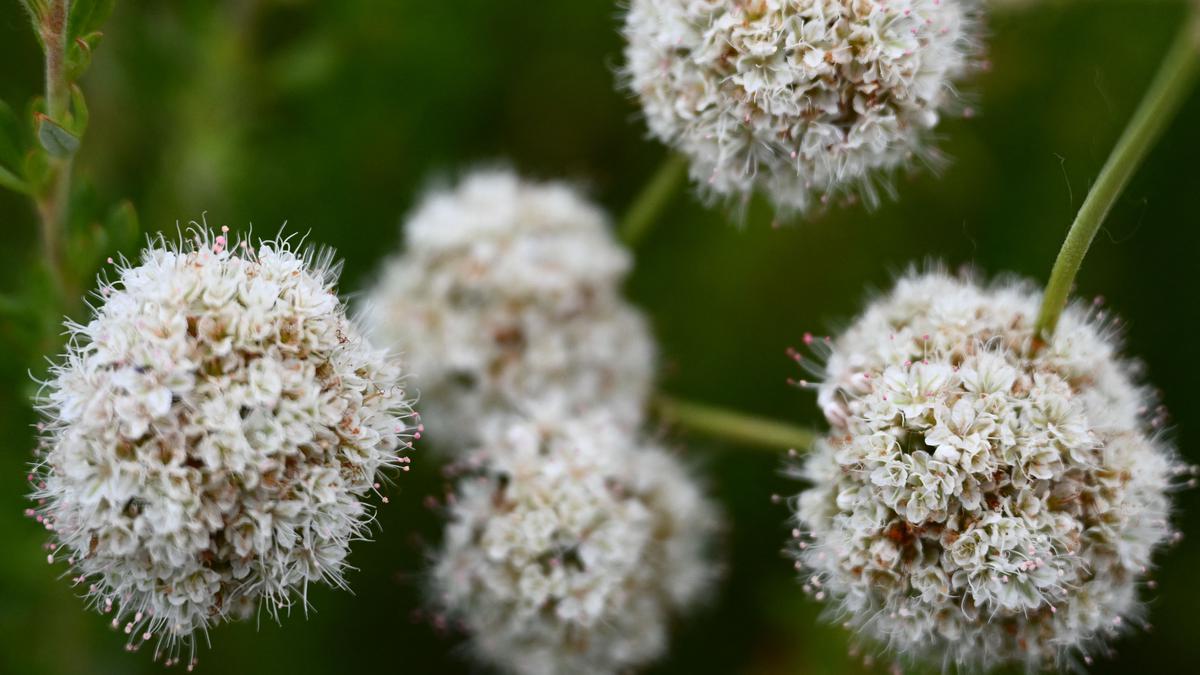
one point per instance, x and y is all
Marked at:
(653, 199)
(52, 202)
(1159, 105)
(54, 37)
(734, 426)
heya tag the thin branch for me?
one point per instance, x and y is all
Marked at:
(1162, 100)
(655, 197)
(734, 426)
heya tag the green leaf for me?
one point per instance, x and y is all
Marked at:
(87, 16)
(12, 181)
(37, 14)
(36, 8)
(79, 54)
(79, 112)
(37, 106)
(55, 139)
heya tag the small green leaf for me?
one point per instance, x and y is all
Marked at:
(56, 140)
(37, 14)
(79, 54)
(36, 8)
(87, 16)
(79, 59)
(36, 106)
(12, 181)
(79, 112)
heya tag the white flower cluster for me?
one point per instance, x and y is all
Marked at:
(570, 545)
(797, 98)
(982, 499)
(571, 541)
(212, 435)
(507, 298)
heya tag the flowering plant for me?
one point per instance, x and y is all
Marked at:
(982, 470)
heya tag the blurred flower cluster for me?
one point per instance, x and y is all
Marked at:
(572, 539)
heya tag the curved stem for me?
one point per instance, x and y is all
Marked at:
(734, 426)
(652, 200)
(1159, 105)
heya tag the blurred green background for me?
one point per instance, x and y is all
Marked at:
(334, 116)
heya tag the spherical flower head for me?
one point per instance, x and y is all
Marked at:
(212, 436)
(507, 298)
(802, 100)
(982, 499)
(570, 546)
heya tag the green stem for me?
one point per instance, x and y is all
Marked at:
(653, 199)
(52, 204)
(734, 426)
(1159, 105)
